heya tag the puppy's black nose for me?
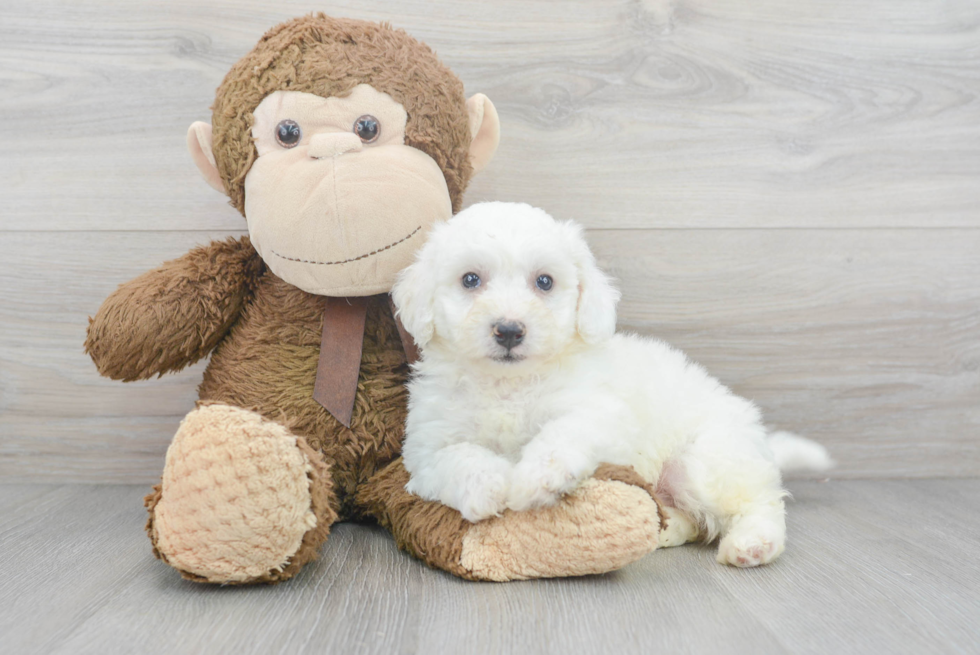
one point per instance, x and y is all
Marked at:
(508, 333)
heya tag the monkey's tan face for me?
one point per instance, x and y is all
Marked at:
(336, 203)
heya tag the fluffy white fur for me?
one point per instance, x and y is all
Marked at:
(490, 429)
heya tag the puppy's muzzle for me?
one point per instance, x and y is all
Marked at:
(508, 334)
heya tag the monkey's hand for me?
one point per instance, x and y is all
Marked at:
(174, 315)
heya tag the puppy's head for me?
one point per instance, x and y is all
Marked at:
(504, 283)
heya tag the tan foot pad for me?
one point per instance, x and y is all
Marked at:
(235, 499)
(600, 527)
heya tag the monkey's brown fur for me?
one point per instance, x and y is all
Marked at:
(173, 315)
(268, 335)
(329, 57)
(265, 333)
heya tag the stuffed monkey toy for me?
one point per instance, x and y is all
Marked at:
(341, 142)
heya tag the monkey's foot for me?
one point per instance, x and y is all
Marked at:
(242, 500)
(611, 520)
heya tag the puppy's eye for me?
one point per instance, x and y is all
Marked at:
(471, 280)
(368, 128)
(544, 282)
(288, 133)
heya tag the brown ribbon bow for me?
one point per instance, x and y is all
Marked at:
(341, 347)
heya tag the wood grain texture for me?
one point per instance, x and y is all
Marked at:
(788, 192)
(660, 113)
(862, 339)
(882, 566)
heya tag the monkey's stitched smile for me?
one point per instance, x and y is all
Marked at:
(352, 259)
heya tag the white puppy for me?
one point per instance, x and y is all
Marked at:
(524, 388)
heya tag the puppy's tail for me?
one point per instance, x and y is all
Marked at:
(794, 453)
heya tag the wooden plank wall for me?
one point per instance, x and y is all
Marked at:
(790, 191)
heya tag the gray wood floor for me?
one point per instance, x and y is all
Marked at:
(872, 567)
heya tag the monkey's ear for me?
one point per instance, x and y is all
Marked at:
(484, 129)
(199, 143)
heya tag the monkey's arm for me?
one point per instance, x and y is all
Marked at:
(174, 315)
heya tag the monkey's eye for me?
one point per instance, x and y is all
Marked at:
(368, 128)
(471, 280)
(544, 282)
(288, 133)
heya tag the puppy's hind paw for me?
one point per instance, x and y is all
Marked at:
(746, 549)
(679, 530)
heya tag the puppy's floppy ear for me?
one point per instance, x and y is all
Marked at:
(597, 297)
(414, 297)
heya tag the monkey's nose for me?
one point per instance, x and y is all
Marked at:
(333, 144)
(508, 333)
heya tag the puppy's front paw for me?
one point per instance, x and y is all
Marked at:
(482, 494)
(539, 481)
(528, 494)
